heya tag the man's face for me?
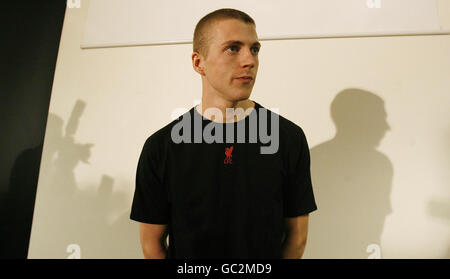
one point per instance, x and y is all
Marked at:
(233, 53)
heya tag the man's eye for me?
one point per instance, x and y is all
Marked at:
(255, 49)
(230, 47)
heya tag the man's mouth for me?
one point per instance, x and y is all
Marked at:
(245, 78)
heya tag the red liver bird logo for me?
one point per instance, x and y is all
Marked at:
(228, 151)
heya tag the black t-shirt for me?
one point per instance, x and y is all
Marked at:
(223, 202)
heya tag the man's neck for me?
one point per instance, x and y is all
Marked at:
(246, 105)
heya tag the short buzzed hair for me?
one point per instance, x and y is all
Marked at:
(201, 38)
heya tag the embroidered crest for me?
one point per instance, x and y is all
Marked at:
(228, 155)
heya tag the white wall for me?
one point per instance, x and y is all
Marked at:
(156, 22)
(394, 195)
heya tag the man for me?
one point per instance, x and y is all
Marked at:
(222, 199)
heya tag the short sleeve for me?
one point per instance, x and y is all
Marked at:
(150, 201)
(298, 196)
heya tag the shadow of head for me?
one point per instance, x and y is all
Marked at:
(359, 116)
(351, 179)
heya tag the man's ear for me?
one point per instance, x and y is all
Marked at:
(197, 63)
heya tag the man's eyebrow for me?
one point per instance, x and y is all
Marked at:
(234, 42)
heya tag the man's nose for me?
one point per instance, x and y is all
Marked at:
(248, 58)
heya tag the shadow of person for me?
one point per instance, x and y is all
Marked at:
(58, 192)
(16, 211)
(439, 208)
(108, 232)
(91, 220)
(352, 179)
(18, 208)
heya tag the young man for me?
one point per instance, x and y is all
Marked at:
(225, 195)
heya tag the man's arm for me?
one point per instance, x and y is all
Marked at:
(296, 233)
(153, 240)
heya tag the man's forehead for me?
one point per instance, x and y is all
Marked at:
(234, 31)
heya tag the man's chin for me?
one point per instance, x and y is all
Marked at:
(241, 96)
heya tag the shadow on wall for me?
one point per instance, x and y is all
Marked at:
(439, 207)
(17, 205)
(352, 180)
(70, 222)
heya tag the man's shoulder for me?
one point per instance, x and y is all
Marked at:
(287, 127)
(162, 136)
